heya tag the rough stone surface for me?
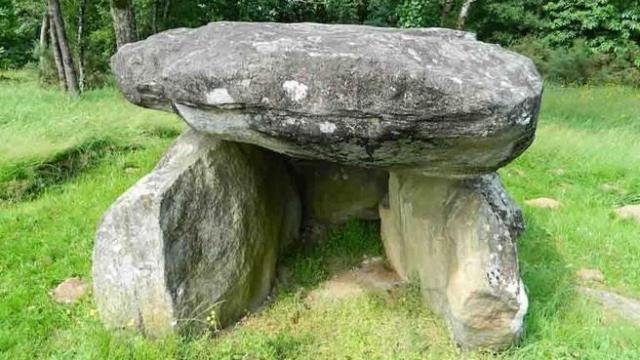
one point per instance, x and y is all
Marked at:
(335, 193)
(70, 291)
(544, 203)
(433, 99)
(458, 238)
(629, 212)
(199, 234)
(626, 308)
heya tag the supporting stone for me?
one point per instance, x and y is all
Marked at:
(199, 236)
(458, 238)
(336, 193)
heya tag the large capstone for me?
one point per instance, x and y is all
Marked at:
(195, 242)
(436, 100)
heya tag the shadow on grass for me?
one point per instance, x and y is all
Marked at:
(343, 248)
(26, 181)
(546, 277)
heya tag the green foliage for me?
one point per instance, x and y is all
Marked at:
(19, 29)
(578, 64)
(607, 26)
(419, 13)
(603, 36)
(507, 22)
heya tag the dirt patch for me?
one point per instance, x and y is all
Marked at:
(544, 202)
(372, 275)
(70, 291)
(629, 212)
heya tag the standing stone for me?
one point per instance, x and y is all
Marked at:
(457, 238)
(336, 193)
(197, 236)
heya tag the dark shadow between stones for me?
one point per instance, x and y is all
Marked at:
(341, 248)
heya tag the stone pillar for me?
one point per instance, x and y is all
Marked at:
(333, 193)
(195, 243)
(457, 238)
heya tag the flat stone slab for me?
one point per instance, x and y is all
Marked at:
(629, 212)
(627, 308)
(433, 99)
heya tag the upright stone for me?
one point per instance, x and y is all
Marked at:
(335, 193)
(457, 237)
(197, 238)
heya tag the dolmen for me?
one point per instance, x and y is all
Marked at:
(298, 124)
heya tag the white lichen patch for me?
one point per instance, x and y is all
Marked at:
(327, 127)
(219, 96)
(523, 303)
(414, 55)
(524, 118)
(280, 45)
(295, 91)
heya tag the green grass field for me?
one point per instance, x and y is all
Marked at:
(63, 162)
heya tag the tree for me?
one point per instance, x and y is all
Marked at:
(81, 42)
(61, 48)
(44, 40)
(124, 22)
(446, 8)
(464, 12)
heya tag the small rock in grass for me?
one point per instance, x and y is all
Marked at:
(627, 308)
(629, 212)
(543, 202)
(70, 291)
(590, 275)
(611, 188)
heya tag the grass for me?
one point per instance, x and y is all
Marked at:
(63, 162)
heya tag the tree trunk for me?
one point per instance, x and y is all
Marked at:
(154, 16)
(446, 9)
(165, 13)
(81, 42)
(55, 49)
(44, 40)
(124, 22)
(464, 12)
(57, 23)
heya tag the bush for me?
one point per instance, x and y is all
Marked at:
(579, 64)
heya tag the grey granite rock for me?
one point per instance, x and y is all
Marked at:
(195, 242)
(333, 194)
(435, 100)
(458, 239)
